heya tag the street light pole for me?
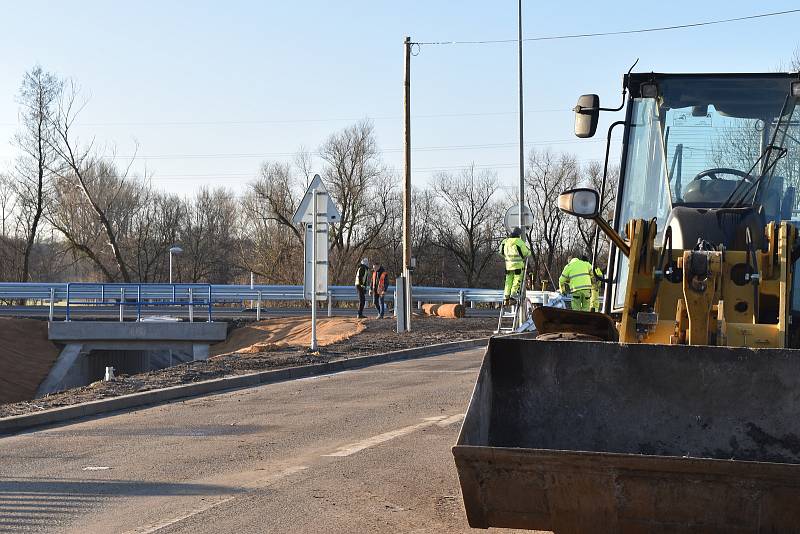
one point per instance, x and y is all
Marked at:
(521, 133)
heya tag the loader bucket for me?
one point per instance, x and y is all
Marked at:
(600, 437)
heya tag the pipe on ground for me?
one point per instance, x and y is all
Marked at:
(450, 311)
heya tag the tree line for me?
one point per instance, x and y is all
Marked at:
(72, 210)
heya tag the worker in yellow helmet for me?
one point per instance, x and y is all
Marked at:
(576, 279)
(514, 251)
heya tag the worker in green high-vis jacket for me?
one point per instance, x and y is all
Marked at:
(514, 251)
(576, 279)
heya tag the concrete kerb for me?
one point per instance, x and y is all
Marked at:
(18, 423)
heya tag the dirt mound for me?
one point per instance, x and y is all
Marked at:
(291, 331)
(26, 356)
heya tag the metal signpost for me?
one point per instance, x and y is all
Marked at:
(316, 212)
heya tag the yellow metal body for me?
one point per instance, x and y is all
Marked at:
(731, 305)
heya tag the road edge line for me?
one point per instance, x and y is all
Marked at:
(19, 423)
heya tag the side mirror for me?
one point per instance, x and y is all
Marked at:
(581, 202)
(584, 202)
(587, 113)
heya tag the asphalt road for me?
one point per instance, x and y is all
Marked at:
(360, 451)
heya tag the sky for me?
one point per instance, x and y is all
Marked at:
(208, 91)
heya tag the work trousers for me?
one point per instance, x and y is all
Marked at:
(380, 304)
(594, 302)
(362, 299)
(513, 281)
(581, 300)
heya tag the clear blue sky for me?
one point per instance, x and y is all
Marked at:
(263, 78)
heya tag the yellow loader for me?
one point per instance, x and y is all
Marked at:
(678, 408)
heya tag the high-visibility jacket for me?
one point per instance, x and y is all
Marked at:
(362, 276)
(577, 274)
(514, 251)
(379, 281)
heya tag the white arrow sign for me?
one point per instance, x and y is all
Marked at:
(305, 212)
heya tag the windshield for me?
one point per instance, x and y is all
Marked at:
(701, 137)
(709, 141)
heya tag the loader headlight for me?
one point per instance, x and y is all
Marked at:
(581, 202)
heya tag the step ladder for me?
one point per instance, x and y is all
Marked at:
(509, 320)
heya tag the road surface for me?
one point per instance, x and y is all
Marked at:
(359, 451)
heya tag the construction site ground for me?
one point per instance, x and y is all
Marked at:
(273, 344)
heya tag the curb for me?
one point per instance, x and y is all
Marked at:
(18, 423)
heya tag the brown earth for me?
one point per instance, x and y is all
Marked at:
(290, 331)
(26, 356)
(377, 336)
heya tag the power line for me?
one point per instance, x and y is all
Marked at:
(316, 153)
(256, 122)
(179, 177)
(620, 32)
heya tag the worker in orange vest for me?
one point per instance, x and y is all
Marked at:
(378, 288)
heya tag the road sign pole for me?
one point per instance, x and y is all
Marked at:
(314, 270)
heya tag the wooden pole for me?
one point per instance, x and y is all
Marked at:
(407, 183)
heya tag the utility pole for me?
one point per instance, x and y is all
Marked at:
(407, 182)
(521, 133)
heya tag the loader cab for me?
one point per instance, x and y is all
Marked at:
(707, 155)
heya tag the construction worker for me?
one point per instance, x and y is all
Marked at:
(378, 288)
(514, 251)
(362, 285)
(598, 279)
(576, 279)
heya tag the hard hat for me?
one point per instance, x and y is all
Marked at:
(516, 231)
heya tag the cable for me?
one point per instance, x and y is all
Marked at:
(315, 153)
(291, 121)
(621, 32)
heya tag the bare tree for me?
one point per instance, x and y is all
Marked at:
(79, 165)
(465, 228)
(592, 176)
(208, 237)
(74, 213)
(362, 189)
(37, 97)
(548, 175)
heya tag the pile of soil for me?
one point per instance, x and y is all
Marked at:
(290, 331)
(377, 336)
(26, 356)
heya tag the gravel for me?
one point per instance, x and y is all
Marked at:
(378, 337)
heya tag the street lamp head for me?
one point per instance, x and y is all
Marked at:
(175, 250)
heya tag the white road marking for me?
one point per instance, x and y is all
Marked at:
(451, 420)
(353, 448)
(96, 468)
(200, 509)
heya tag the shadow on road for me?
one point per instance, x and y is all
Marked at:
(35, 503)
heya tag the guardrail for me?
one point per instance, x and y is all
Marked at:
(88, 293)
(173, 296)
